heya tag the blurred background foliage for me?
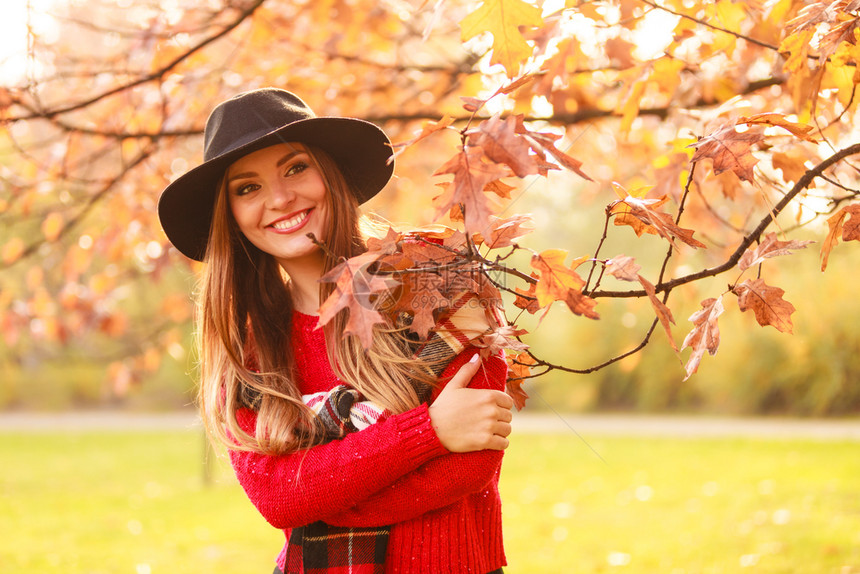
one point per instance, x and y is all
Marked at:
(108, 102)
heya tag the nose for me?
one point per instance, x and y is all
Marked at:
(280, 195)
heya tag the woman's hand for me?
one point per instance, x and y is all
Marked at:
(467, 420)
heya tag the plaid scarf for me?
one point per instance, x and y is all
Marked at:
(320, 548)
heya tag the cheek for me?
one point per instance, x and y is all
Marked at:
(241, 213)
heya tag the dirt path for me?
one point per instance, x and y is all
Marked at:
(525, 422)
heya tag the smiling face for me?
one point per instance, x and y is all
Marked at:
(277, 196)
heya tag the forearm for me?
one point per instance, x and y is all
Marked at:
(305, 486)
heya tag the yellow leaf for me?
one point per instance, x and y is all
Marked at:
(12, 250)
(53, 226)
(502, 18)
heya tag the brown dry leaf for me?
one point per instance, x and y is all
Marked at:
(500, 338)
(766, 302)
(427, 130)
(519, 369)
(471, 176)
(769, 247)
(662, 311)
(851, 229)
(835, 223)
(792, 164)
(779, 120)
(729, 150)
(503, 232)
(705, 335)
(545, 142)
(580, 304)
(624, 268)
(632, 209)
(527, 299)
(355, 290)
(502, 144)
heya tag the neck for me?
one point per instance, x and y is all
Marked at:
(304, 282)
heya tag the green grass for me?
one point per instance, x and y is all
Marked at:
(135, 502)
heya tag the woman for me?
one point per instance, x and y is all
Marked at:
(417, 490)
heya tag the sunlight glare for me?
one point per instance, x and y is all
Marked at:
(14, 66)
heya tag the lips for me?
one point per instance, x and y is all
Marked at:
(291, 222)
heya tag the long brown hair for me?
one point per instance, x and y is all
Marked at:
(244, 317)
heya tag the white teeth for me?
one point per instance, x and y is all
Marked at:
(288, 223)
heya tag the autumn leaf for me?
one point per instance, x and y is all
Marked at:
(519, 366)
(779, 120)
(471, 175)
(52, 226)
(642, 215)
(662, 311)
(527, 298)
(355, 290)
(836, 224)
(769, 247)
(503, 232)
(580, 304)
(502, 144)
(729, 150)
(386, 245)
(624, 268)
(500, 338)
(555, 279)
(705, 335)
(544, 142)
(503, 18)
(428, 129)
(766, 302)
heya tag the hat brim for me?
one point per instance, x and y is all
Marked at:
(360, 149)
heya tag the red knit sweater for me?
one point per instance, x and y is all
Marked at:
(444, 507)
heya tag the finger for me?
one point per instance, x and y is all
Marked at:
(498, 443)
(463, 376)
(502, 429)
(505, 415)
(503, 400)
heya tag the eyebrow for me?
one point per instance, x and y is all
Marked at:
(282, 161)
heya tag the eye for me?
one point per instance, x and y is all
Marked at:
(296, 168)
(246, 189)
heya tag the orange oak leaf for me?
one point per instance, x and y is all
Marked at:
(520, 367)
(428, 129)
(503, 232)
(527, 298)
(471, 175)
(357, 290)
(502, 144)
(555, 279)
(385, 245)
(642, 215)
(503, 18)
(545, 142)
(580, 304)
(503, 337)
(624, 268)
(729, 150)
(705, 335)
(766, 302)
(769, 247)
(664, 314)
(838, 227)
(779, 120)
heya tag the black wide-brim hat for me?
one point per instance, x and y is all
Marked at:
(252, 121)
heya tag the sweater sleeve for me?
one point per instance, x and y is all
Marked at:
(439, 482)
(305, 486)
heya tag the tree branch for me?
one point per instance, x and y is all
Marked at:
(751, 238)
